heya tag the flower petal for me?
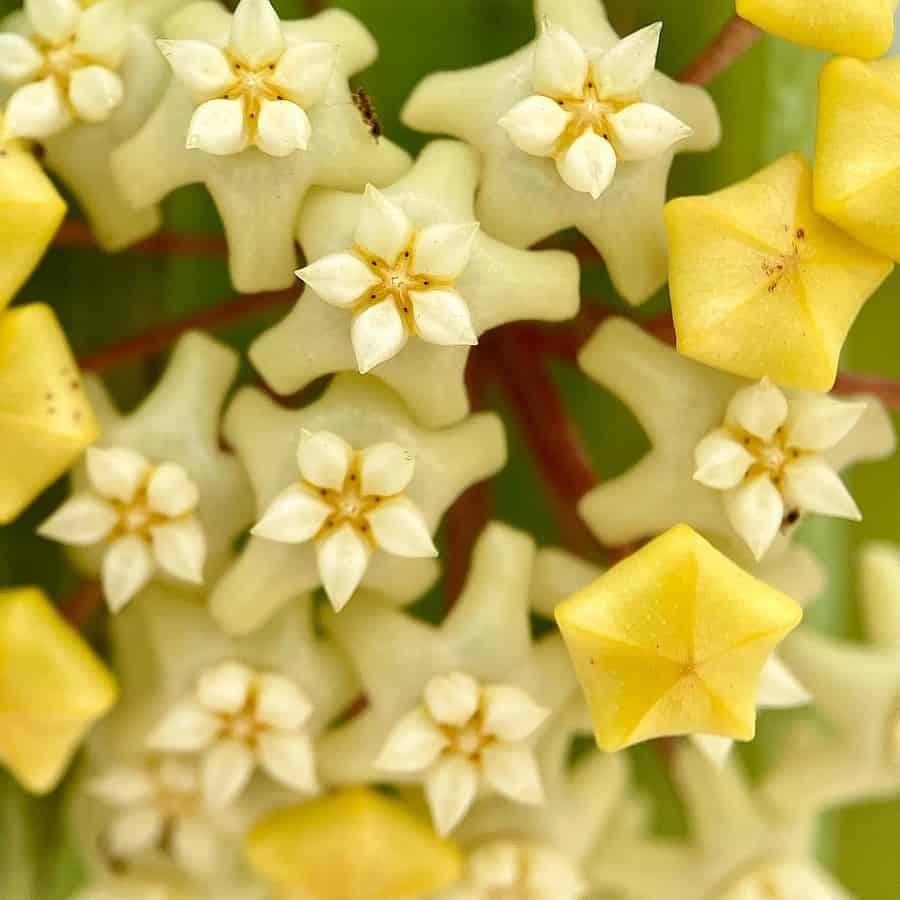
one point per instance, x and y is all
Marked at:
(225, 772)
(817, 423)
(180, 549)
(82, 520)
(589, 165)
(513, 772)
(294, 516)
(283, 128)
(324, 458)
(122, 786)
(412, 745)
(304, 70)
(280, 703)
(53, 20)
(217, 127)
(720, 461)
(289, 759)
(36, 111)
(560, 65)
(385, 469)
(536, 124)
(133, 831)
(552, 874)
(452, 699)
(19, 58)
(715, 747)
(384, 230)
(95, 92)
(443, 318)
(200, 67)
(185, 728)
(760, 409)
(625, 68)
(171, 491)
(450, 788)
(811, 485)
(755, 510)
(340, 279)
(399, 528)
(496, 865)
(102, 32)
(510, 714)
(443, 251)
(643, 130)
(127, 567)
(116, 472)
(779, 688)
(377, 334)
(343, 558)
(194, 846)
(256, 37)
(225, 687)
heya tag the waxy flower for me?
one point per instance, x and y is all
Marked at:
(576, 129)
(402, 282)
(258, 110)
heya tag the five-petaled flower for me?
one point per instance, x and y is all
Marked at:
(144, 511)
(587, 113)
(349, 502)
(66, 67)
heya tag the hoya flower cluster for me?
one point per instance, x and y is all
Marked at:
(305, 658)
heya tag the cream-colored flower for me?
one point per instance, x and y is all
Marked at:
(143, 511)
(239, 718)
(587, 113)
(768, 460)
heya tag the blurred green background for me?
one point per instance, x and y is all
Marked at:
(768, 107)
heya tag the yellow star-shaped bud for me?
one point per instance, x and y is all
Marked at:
(672, 641)
(30, 212)
(863, 28)
(45, 418)
(857, 175)
(52, 689)
(355, 844)
(763, 286)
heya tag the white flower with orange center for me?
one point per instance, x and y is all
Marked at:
(349, 503)
(768, 460)
(66, 68)
(397, 282)
(143, 511)
(587, 114)
(257, 90)
(239, 718)
(463, 734)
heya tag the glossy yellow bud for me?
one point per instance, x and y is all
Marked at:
(31, 210)
(863, 28)
(352, 845)
(672, 641)
(45, 418)
(52, 689)
(762, 285)
(857, 175)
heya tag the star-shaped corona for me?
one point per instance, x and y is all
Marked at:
(762, 285)
(575, 129)
(258, 107)
(53, 688)
(672, 641)
(401, 283)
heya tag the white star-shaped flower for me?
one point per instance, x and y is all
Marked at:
(402, 282)
(373, 487)
(575, 129)
(259, 110)
(350, 503)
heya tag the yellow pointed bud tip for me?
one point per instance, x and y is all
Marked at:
(672, 641)
(761, 284)
(857, 179)
(46, 421)
(355, 844)
(31, 211)
(53, 688)
(861, 28)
